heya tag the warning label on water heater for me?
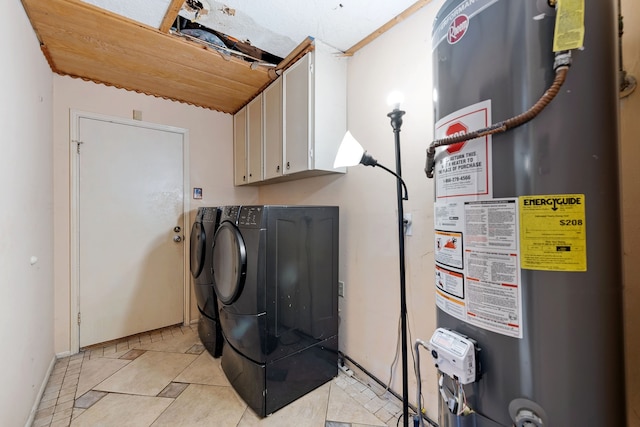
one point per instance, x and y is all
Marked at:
(463, 170)
(553, 232)
(478, 263)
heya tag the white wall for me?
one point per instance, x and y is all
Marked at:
(398, 60)
(26, 290)
(210, 166)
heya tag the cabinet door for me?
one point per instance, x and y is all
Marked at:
(297, 105)
(254, 139)
(272, 116)
(240, 147)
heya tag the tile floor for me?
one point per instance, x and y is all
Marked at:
(166, 378)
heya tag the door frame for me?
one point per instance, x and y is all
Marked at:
(75, 116)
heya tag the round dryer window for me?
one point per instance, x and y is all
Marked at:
(229, 263)
(198, 249)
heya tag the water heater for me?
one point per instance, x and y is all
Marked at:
(527, 222)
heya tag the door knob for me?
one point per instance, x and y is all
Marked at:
(177, 228)
(177, 239)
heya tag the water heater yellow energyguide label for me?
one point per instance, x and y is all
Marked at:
(553, 232)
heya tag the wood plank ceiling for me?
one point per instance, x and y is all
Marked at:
(84, 41)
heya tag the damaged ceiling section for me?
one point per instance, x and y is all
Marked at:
(190, 24)
(239, 25)
(152, 46)
(278, 26)
(275, 27)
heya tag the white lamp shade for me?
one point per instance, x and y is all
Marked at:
(349, 153)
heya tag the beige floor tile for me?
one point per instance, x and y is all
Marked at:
(66, 397)
(94, 371)
(384, 415)
(59, 370)
(98, 352)
(132, 354)
(205, 370)
(110, 349)
(116, 355)
(52, 388)
(178, 343)
(56, 379)
(148, 375)
(61, 363)
(45, 412)
(64, 422)
(42, 422)
(63, 406)
(203, 405)
(310, 411)
(62, 415)
(48, 401)
(344, 408)
(122, 345)
(77, 412)
(123, 411)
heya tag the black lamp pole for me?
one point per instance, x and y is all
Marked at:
(396, 124)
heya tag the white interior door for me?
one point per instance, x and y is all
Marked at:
(131, 199)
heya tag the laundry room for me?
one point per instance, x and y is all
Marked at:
(386, 271)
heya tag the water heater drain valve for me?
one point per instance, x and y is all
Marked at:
(455, 355)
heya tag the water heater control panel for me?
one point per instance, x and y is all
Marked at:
(455, 355)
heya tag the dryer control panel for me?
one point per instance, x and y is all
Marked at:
(207, 214)
(251, 216)
(230, 213)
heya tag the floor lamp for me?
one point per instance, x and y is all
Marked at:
(351, 153)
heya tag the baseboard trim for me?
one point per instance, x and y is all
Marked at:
(64, 354)
(43, 386)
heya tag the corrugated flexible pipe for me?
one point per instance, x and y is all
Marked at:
(416, 347)
(561, 66)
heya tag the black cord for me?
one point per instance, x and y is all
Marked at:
(404, 186)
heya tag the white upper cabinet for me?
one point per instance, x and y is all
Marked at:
(315, 110)
(302, 121)
(255, 141)
(240, 147)
(272, 117)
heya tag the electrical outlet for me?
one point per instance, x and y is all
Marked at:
(408, 229)
(340, 288)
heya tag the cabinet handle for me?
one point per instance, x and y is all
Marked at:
(288, 166)
(278, 168)
(244, 177)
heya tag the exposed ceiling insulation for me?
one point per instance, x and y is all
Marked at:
(129, 44)
(278, 26)
(275, 26)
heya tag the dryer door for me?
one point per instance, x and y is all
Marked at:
(229, 262)
(197, 249)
